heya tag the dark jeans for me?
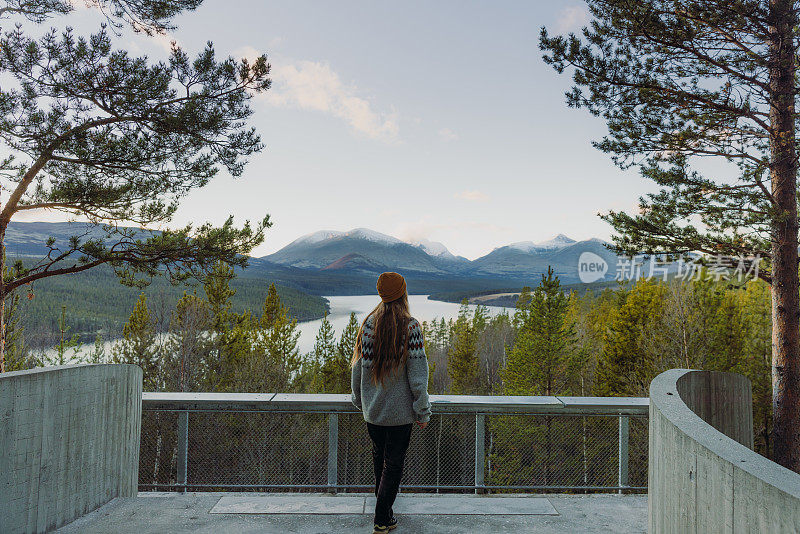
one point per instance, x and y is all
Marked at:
(389, 445)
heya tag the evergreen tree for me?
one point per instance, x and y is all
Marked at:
(543, 361)
(678, 81)
(188, 346)
(138, 345)
(285, 362)
(233, 364)
(757, 316)
(480, 318)
(65, 343)
(324, 350)
(98, 354)
(324, 343)
(335, 371)
(463, 365)
(117, 140)
(442, 333)
(272, 307)
(624, 369)
(347, 343)
(219, 293)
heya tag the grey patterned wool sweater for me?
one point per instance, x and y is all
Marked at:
(403, 397)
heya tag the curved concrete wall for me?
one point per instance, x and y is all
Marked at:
(703, 475)
(69, 442)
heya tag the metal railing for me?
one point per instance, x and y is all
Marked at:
(296, 442)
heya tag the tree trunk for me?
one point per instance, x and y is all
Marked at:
(785, 297)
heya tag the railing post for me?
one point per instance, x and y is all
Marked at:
(333, 452)
(480, 460)
(183, 448)
(624, 432)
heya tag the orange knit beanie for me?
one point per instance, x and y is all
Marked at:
(391, 286)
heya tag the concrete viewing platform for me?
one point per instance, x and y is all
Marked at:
(74, 436)
(154, 512)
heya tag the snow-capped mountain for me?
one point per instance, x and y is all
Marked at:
(366, 251)
(531, 261)
(359, 249)
(433, 248)
(358, 233)
(559, 241)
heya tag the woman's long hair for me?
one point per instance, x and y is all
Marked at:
(390, 349)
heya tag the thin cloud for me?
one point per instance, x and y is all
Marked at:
(447, 135)
(572, 18)
(472, 196)
(315, 86)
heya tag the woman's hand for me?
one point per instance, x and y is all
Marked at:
(422, 425)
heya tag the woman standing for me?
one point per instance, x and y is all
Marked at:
(390, 386)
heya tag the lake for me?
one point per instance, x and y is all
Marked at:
(421, 308)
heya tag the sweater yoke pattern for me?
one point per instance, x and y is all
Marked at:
(416, 341)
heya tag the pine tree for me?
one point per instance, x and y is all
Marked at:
(65, 343)
(272, 306)
(233, 364)
(324, 344)
(188, 346)
(335, 371)
(679, 81)
(480, 317)
(442, 333)
(624, 369)
(324, 350)
(219, 293)
(98, 354)
(463, 365)
(138, 345)
(118, 140)
(543, 359)
(285, 362)
(757, 314)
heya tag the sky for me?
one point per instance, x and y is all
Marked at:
(422, 120)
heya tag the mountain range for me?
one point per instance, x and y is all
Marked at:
(340, 263)
(364, 251)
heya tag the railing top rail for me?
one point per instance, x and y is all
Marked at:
(327, 403)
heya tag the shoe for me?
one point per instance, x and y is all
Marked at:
(381, 529)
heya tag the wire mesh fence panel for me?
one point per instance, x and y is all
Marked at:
(355, 452)
(540, 451)
(441, 455)
(638, 452)
(289, 451)
(157, 450)
(257, 449)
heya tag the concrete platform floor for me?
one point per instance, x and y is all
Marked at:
(177, 513)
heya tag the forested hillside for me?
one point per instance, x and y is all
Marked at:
(95, 302)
